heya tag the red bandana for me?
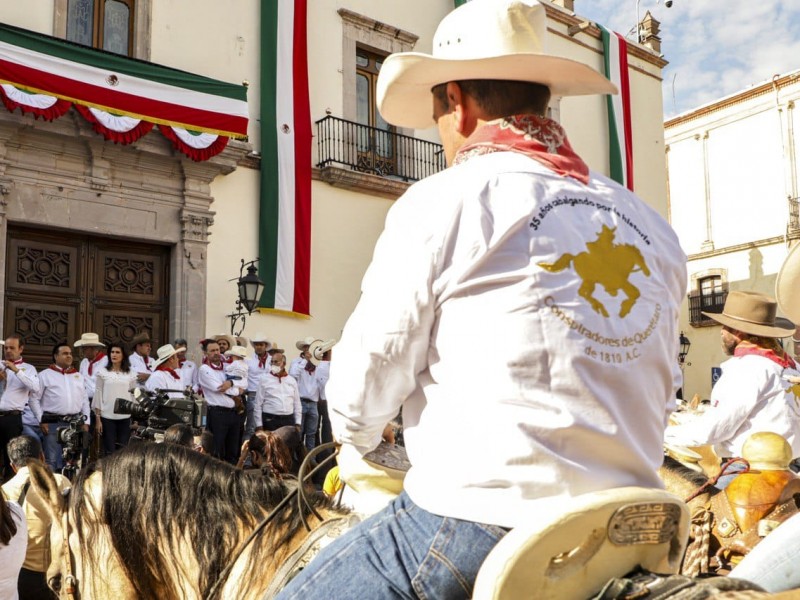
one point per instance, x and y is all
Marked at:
(221, 366)
(262, 362)
(168, 370)
(67, 371)
(100, 356)
(784, 360)
(18, 361)
(539, 138)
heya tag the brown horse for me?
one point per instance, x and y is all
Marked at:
(162, 521)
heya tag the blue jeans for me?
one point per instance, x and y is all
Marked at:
(401, 552)
(773, 563)
(53, 451)
(250, 420)
(310, 423)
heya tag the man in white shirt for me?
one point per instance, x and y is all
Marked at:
(278, 399)
(308, 389)
(223, 421)
(20, 385)
(140, 360)
(755, 392)
(323, 373)
(94, 359)
(187, 368)
(571, 283)
(166, 375)
(300, 362)
(257, 366)
(62, 397)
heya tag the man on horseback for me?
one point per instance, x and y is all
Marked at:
(550, 414)
(755, 392)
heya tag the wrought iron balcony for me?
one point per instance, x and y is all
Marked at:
(371, 150)
(712, 302)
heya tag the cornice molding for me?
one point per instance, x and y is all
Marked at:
(364, 183)
(744, 96)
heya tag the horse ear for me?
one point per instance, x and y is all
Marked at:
(46, 486)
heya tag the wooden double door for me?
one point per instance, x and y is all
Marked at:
(60, 285)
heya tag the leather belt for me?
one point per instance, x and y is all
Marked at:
(10, 413)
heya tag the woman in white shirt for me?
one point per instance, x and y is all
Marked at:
(117, 380)
(13, 545)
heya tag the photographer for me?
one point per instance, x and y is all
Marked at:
(63, 398)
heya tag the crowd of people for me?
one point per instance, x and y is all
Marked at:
(260, 414)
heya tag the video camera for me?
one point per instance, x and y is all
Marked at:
(160, 410)
(72, 437)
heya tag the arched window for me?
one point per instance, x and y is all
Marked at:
(106, 24)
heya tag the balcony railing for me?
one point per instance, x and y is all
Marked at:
(699, 303)
(371, 150)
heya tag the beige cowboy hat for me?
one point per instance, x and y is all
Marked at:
(753, 313)
(166, 352)
(89, 339)
(239, 351)
(224, 336)
(300, 344)
(482, 39)
(321, 348)
(787, 285)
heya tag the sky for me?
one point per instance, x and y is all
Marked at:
(714, 47)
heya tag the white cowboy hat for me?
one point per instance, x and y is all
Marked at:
(753, 313)
(166, 352)
(322, 348)
(89, 339)
(299, 344)
(259, 337)
(787, 285)
(239, 351)
(482, 39)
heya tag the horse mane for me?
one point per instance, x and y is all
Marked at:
(690, 476)
(161, 501)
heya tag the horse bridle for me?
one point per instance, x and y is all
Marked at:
(69, 582)
(302, 477)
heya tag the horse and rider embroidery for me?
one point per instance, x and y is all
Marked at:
(607, 264)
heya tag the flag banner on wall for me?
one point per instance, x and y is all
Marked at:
(615, 55)
(285, 203)
(46, 76)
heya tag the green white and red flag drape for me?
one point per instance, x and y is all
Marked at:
(285, 207)
(122, 98)
(615, 54)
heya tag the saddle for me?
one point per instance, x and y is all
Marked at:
(755, 502)
(572, 548)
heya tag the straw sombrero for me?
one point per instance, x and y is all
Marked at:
(482, 39)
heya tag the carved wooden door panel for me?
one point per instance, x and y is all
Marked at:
(59, 285)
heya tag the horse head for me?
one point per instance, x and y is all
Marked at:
(69, 535)
(56, 503)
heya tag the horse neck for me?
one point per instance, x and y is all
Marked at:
(248, 579)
